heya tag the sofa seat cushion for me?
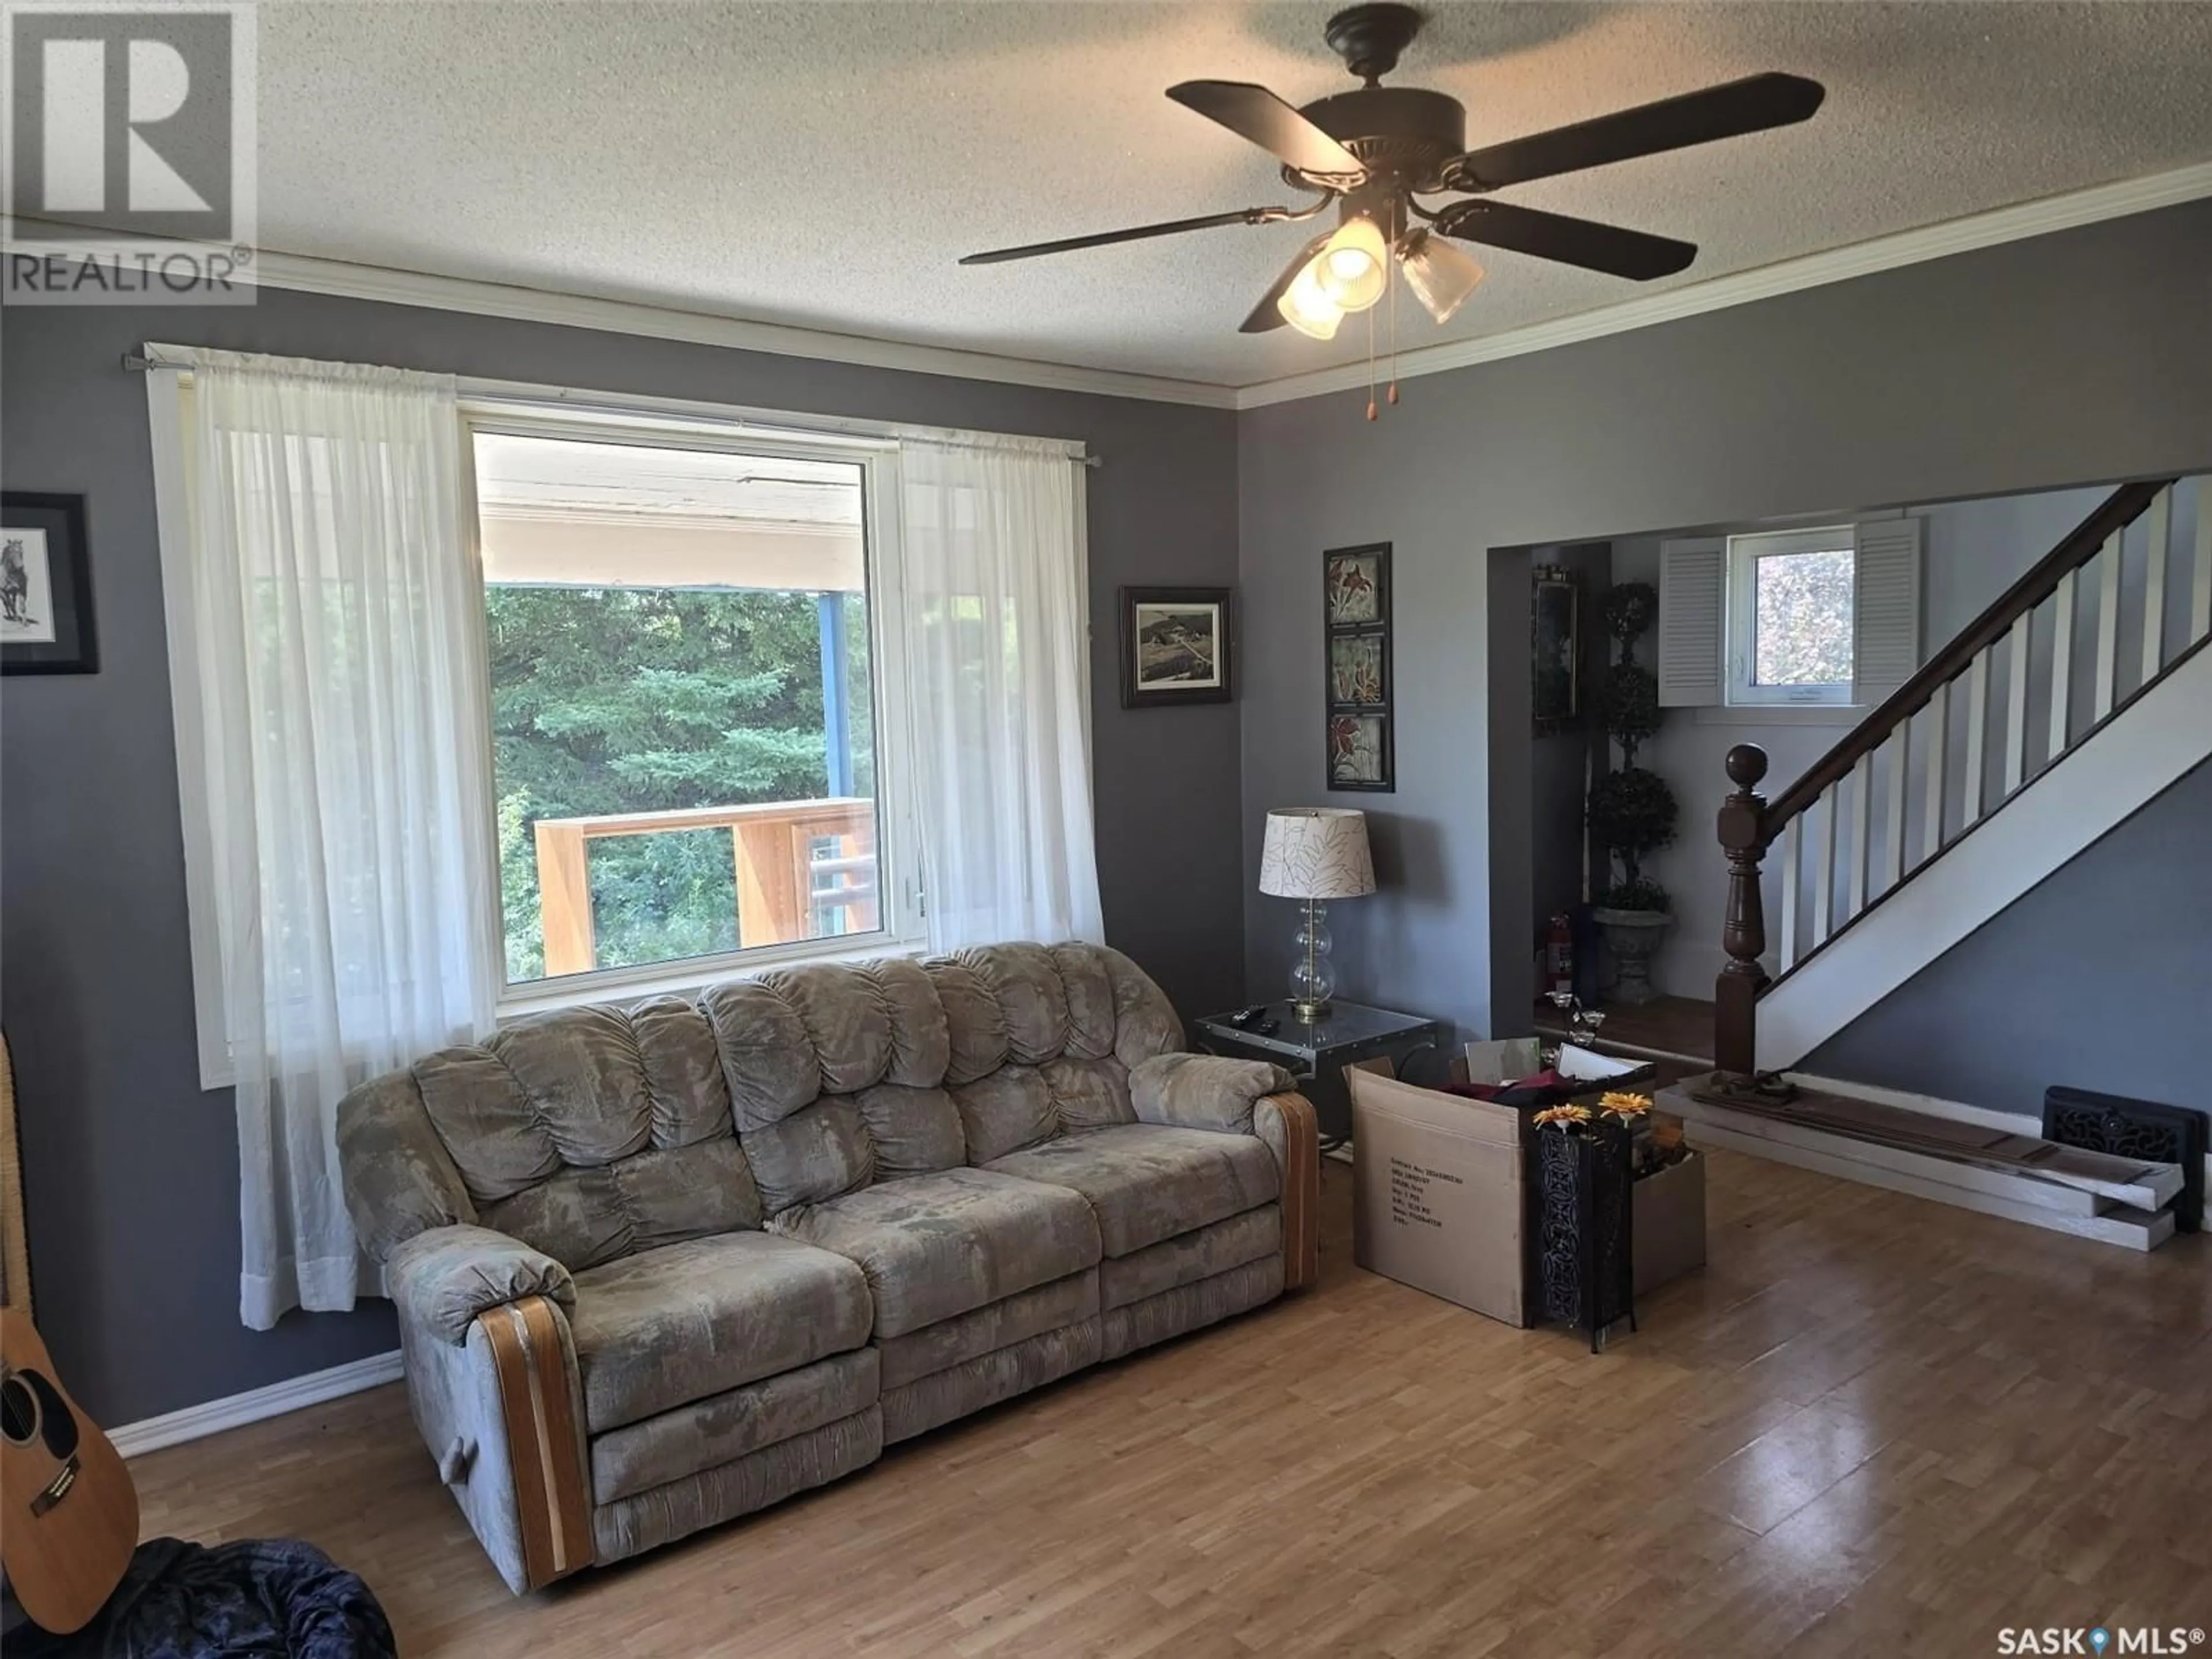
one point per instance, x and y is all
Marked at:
(936, 1245)
(708, 1433)
(1148, 1182)
(664, 1328)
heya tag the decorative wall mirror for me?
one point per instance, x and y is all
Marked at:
(1555, 650)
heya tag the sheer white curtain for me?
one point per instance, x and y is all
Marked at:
(336, 637)
(998, 618)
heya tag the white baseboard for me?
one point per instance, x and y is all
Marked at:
(213, 1416)
(2019, 1123)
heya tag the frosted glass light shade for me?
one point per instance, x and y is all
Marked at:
(1440, 275)
(1316, 852)
(1306, 308)
(1353, 267)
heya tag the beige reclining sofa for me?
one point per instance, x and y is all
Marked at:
(663, 1264)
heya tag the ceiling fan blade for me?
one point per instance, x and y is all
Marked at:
(1752, 104)
(1106, 238)
(1258, 114)
(1584, 242)
(1264, 315)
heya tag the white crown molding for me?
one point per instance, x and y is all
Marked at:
(232, 1411)
(305, 274)
(1909, 247)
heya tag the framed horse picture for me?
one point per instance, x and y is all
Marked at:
(46, 585)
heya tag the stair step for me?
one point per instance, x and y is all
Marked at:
(2115, 1200)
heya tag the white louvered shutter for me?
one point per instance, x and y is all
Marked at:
(1885, 607)
(1693, 577)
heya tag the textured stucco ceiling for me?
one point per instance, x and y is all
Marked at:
(825, 164)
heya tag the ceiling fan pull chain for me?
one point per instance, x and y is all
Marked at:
(1394, 336)
(1370, 362)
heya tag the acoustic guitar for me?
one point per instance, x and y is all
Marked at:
(68, 1514)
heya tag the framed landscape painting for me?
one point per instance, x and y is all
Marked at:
(1176, 646)
(46, 585)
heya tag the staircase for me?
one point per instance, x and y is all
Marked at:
(2074, 700)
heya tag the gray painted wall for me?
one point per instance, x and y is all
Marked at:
(2120, 940)
(2072, 358)
(131, 1171)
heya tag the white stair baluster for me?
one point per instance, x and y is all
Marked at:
(1938, 734)
(1793, 844)
(1824, 867)
(2161, 529)
(1977, 719)
(1892, 807)
(1862, 800)
(2108, 627)
(2062, 667)
(2015, 752)
(2200, 596)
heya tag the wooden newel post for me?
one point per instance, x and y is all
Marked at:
(1743, 935)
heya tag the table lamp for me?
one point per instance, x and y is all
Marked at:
(1315, 854)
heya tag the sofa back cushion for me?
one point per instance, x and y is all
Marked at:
(594, 1132)
(904, 1067)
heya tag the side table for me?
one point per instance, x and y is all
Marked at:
(1316, 1053)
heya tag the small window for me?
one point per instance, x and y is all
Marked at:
(685, 734)
(1789, 616)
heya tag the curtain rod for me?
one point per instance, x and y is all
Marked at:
(138, 364)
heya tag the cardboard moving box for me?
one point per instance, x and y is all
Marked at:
(1436, 1200)
(1440, 1196)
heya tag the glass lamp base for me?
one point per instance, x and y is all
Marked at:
(1313, 979)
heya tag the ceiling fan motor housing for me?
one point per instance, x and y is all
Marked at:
(1401, 135)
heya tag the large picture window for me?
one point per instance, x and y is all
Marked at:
(687, 758)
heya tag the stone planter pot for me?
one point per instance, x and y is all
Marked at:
(1634, 938)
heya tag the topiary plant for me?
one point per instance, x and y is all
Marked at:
(1632, 811)
(1628, 706)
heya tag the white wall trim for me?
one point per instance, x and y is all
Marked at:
(2100, 783)
(2018, 1123)
(305, 274)
(232, 1411)
(1979, 230)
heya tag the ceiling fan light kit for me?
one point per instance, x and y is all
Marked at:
(1375, 151)
(1440, 276)
(1306, 305)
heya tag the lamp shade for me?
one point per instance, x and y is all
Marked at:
(1316, 852)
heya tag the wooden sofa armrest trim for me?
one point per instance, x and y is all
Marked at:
(552, 1492)
(1301, 1188)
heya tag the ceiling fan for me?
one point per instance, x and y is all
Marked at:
(1377, 151)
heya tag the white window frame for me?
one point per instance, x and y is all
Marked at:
(898, 838)
(1738, 687)
(630, 420)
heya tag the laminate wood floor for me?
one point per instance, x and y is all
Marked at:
(1873, 1426)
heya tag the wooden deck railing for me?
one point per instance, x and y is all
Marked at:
(1841, 787)
(782, 883)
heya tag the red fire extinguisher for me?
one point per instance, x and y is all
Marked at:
(1559, 956)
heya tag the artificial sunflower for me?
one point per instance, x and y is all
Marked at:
(1564, 1114)
(1613, 1103)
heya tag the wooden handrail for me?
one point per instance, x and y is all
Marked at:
(770, 844)
(2125, 506)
